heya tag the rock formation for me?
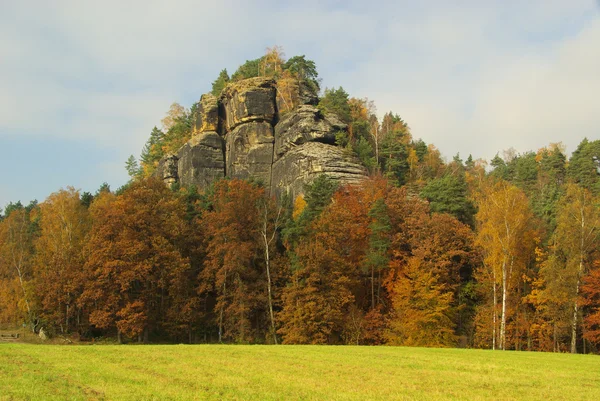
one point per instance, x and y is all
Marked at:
(242, 135)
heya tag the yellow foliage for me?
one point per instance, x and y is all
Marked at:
(299, 205)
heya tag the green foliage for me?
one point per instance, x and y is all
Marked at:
(336, 101)
(499, 167)
(220, 82)
(583, 168)
(365, 153)
(86, 199)
(317, 196)
(102, 189)
(448, 194)
(523, 171)
(152, 151)
(132, 167)
(305, 70)
(250, 69)
(393, 152)
(421, 148)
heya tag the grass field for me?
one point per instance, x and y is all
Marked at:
(215, 372)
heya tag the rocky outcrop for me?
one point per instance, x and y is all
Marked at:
(242, 135)
(207, 118)
(248, 100)
(201, 160)
(305, 124)
(302, 164)
(250, 151)
(168, 169)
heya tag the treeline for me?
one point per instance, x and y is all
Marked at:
(504, 259)
(424, 252)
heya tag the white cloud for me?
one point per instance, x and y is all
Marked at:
(476, 78)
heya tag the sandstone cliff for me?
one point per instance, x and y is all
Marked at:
(242, 135)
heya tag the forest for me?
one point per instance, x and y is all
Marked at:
(502, 254)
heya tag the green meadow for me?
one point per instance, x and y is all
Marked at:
(241, 372)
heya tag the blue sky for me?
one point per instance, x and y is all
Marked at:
(82, 83)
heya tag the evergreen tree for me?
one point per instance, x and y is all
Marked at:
(583, 168)
(220, 82)
(448, 194)
(250, 69)
(336, 101)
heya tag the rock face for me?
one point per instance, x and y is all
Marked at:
(201, 160)
(304, 163)
(305, 124)
(250, 151)
(168, 169)
(248, 100)
(241, 135)
(208, 114)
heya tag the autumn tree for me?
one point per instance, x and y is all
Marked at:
(506, 239)
(577, 237)
(271, 64)
(232, 228)
(591, 292)
(60, 257)
(432, 254)
(176, 111)
(135, 258)
(421, 313)
(316, 300)
(17, 233)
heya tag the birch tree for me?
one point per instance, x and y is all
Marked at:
(504, 221)
(577, 236)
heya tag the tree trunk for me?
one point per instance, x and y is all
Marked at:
(574, 322)
(221, 310)
(372, 286)
(503, 316)
(267, 244)
(494, 317)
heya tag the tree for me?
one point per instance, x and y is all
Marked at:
(305, 70)
(393, 154)
(317, 196)
(431, 256)
(232, 228)
(176, 111)
(17, 233)
(315, 302)
(152, 152)
(134, 258)
(449, 194)
(336, 101)
(250, 69)
(219, 84)
(583, 166)
(421, 309)
(59, 261)
(270, 224)
(132, 167)
(577, 237)
(506, 239)
(271, 64)
(591, 292)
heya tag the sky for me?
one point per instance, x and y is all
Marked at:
(82, 82)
